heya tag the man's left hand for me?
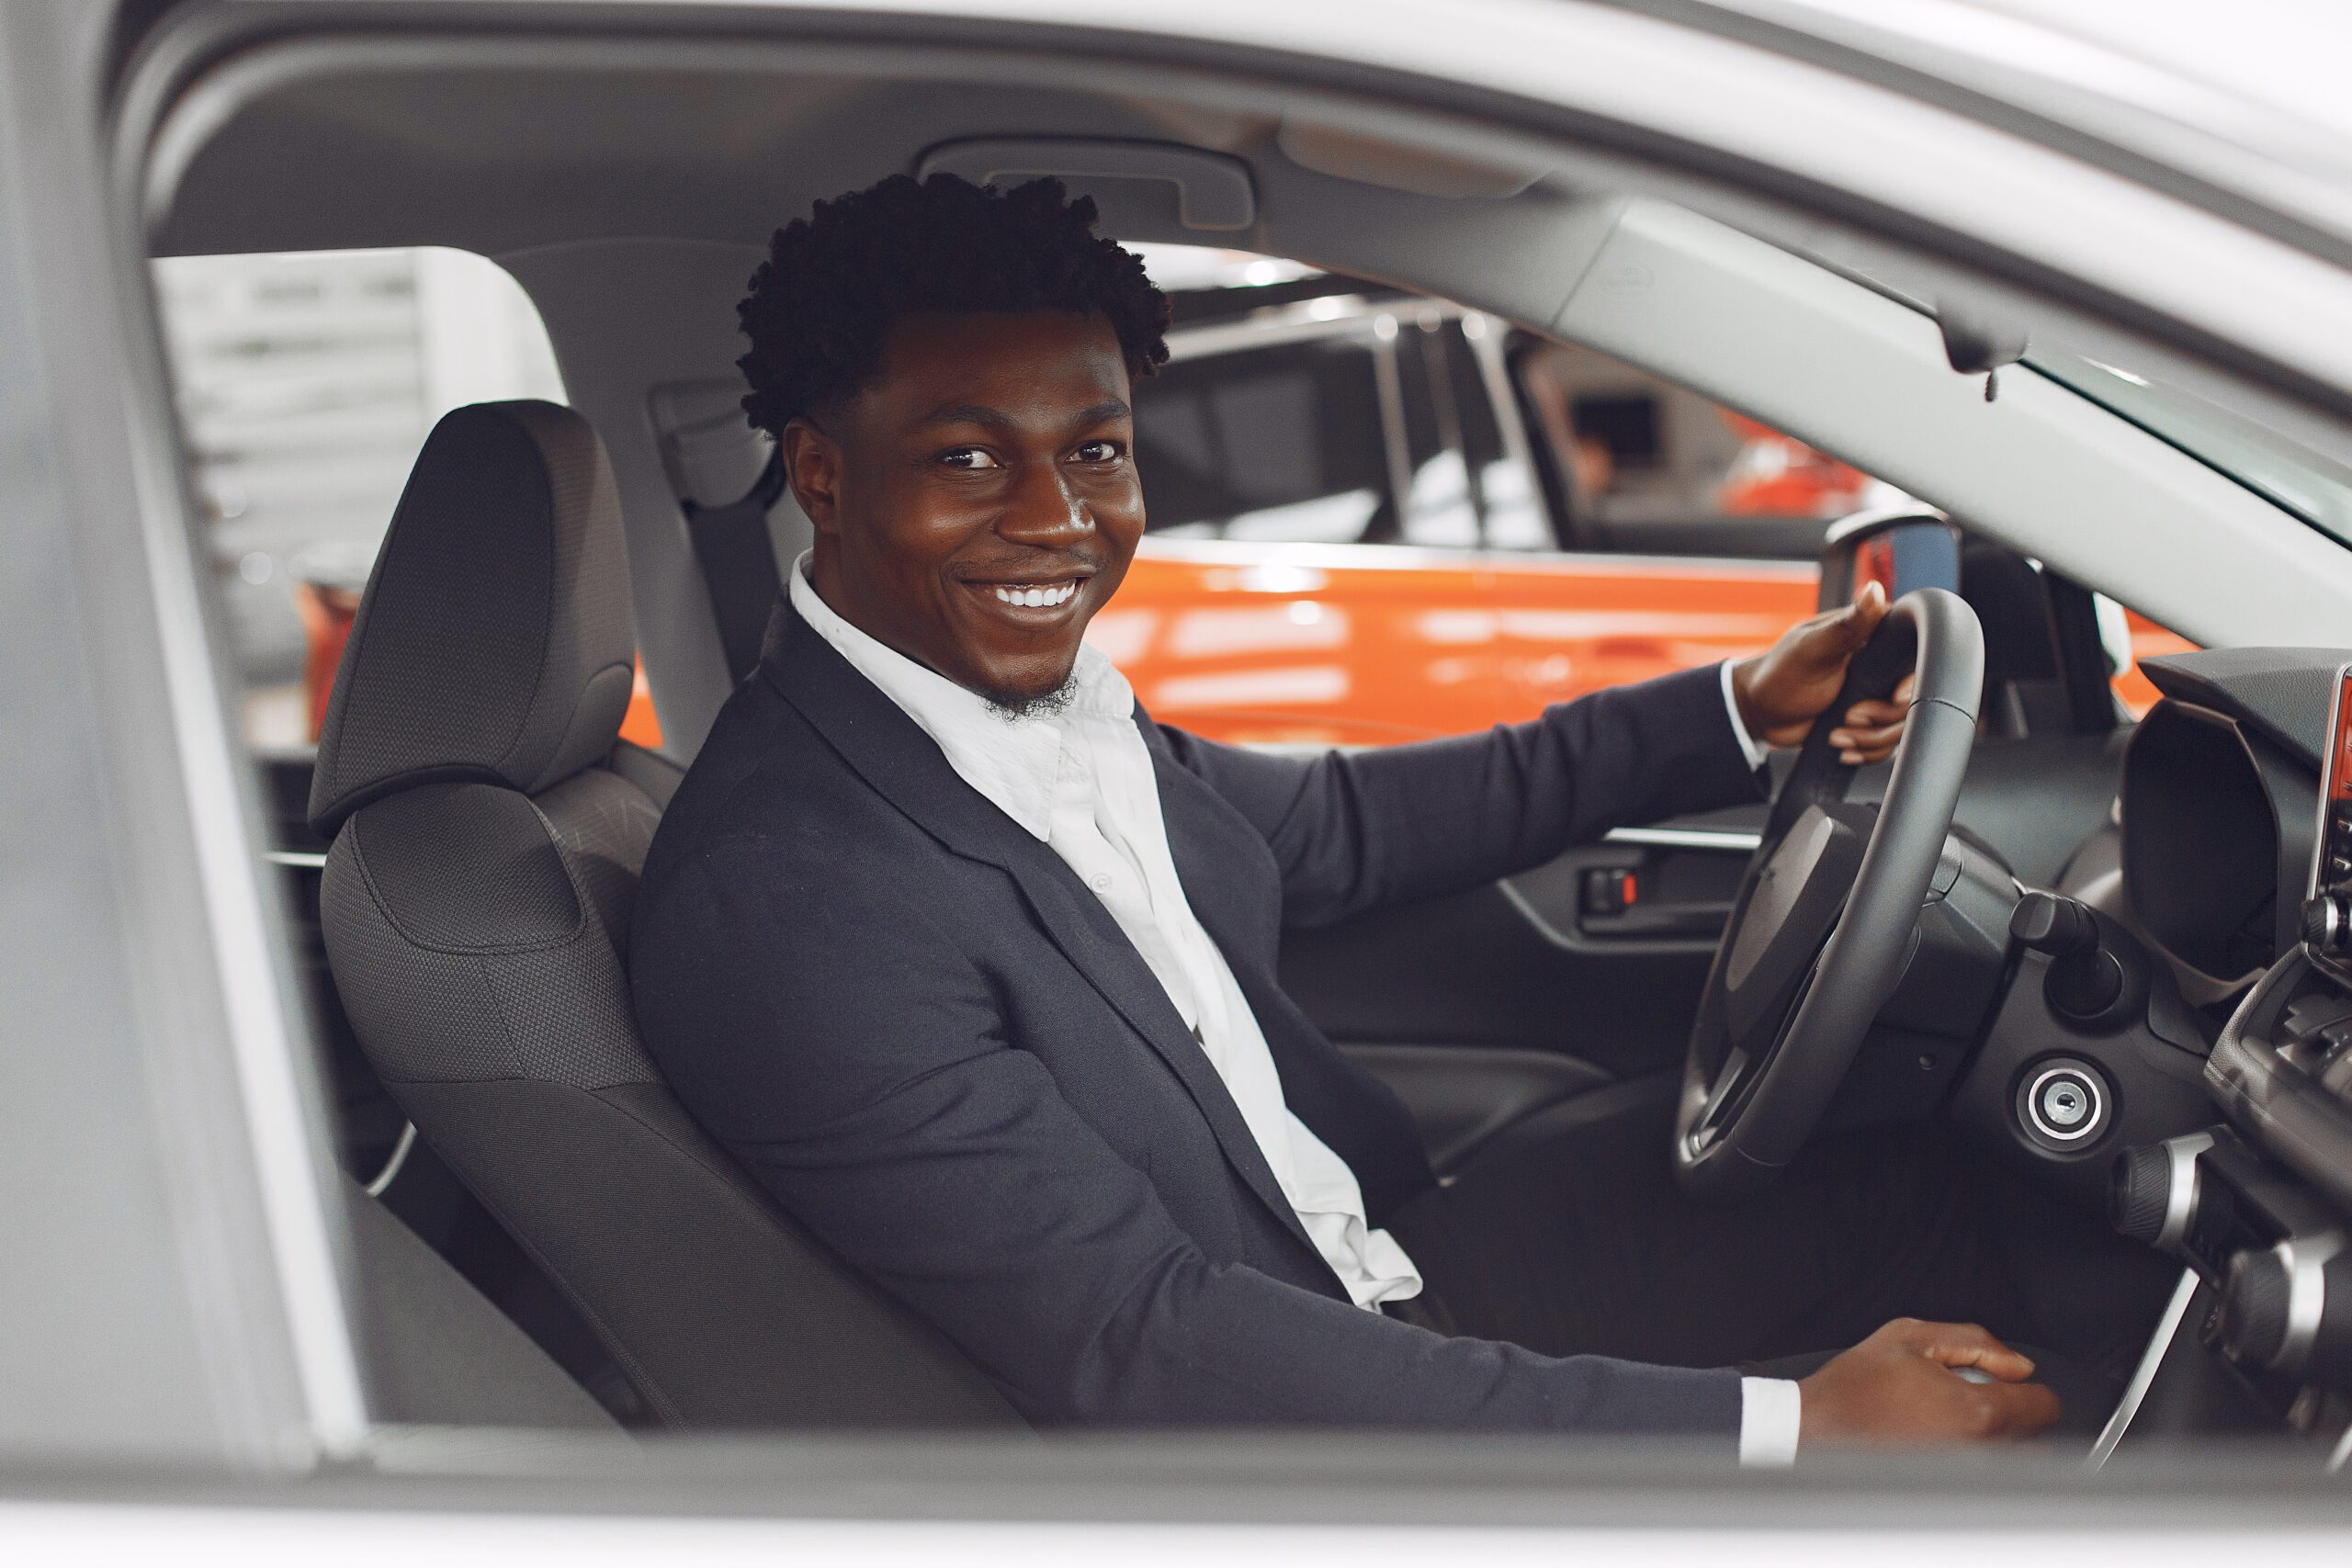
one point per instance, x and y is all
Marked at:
(1783, 690)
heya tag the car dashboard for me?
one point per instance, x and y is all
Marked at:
(2242, 888)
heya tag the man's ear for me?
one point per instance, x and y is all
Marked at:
(812, 466)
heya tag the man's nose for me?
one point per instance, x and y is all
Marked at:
(1043, 511)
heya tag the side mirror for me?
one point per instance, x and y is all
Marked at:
(1899, 548)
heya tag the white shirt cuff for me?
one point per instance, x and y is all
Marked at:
(1758, 753)
(1770, 1411)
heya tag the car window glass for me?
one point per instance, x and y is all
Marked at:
(2128, 637)
(1292, 442)
(1642, 466)
(306, 384)
(1279, 443)
(2314, 487)
(1301, 407)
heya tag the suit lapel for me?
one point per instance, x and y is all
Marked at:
(896, 759)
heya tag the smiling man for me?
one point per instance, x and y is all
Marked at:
(972, 964)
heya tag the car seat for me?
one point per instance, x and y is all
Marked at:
(487, 836)
(433, 1351)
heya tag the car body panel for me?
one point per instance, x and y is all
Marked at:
(1372, 644)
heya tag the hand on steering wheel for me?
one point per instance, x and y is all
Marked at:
(1784, 690)
(1822, 926)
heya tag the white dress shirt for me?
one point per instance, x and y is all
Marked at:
(1077, 777)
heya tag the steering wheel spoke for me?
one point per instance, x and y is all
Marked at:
(1730, 1078)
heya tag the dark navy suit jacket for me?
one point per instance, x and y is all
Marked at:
(931, 1041)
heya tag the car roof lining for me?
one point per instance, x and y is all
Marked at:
(712, 139)
(630, 186)
(501, 146)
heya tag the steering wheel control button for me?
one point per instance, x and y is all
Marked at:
(2063, 1103)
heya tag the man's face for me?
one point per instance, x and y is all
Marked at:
(977, 502)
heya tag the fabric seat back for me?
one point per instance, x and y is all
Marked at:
(487, 839)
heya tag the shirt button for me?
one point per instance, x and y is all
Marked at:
(1103, 884)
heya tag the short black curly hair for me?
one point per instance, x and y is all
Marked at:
(837, 281)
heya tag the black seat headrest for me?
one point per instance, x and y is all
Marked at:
(494, 640)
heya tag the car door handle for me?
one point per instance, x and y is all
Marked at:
(1612, 904)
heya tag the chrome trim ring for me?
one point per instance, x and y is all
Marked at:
(2180, 1190)
(2306, 1261)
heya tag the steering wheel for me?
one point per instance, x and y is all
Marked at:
(1823, 925)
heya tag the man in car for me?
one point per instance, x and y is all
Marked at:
(972, 964)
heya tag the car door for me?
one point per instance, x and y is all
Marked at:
(1378, 519)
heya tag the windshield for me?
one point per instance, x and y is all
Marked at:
(2313, 488)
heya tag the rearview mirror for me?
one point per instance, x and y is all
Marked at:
(1899, 548)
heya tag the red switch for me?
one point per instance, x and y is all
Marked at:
(1610, 890)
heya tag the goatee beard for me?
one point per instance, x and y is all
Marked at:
(1013, 707)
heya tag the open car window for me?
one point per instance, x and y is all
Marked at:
(1304, 409)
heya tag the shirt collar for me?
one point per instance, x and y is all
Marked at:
(1012, 762)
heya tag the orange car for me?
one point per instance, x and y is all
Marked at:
(1354, 645)
(1377, 518)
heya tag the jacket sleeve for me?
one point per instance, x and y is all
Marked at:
(1352, 831)
(858, 1065)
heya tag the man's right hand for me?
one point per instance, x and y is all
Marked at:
(1901, 1387)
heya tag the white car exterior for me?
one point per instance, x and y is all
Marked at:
(180, 1380)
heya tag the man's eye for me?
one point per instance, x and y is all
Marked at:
(971, 459)
(1100, 452)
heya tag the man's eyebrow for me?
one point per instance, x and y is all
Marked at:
(966, 413)
(997, 419)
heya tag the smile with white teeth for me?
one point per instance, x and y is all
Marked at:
(1042, 598)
